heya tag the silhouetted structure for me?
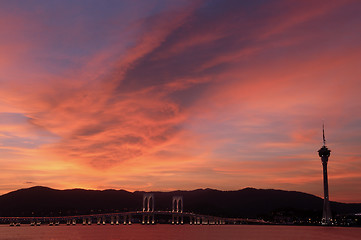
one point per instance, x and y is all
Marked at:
(177, 204)
(324, 153)
(115, 217)
(177, 209)
(148, 208)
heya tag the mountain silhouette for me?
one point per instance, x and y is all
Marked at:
(248, 202)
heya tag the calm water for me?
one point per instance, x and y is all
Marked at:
(178, 232)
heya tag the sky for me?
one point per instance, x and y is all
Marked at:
(160, 95)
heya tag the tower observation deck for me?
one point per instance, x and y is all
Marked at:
(324, 153)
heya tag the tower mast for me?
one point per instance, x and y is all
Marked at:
(323, 134)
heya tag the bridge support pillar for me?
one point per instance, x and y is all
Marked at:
(148, 208)
(127, 219)
(176, 217)
(177, 210)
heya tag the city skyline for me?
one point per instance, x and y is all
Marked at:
(167, 95)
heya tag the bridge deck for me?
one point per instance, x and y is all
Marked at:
(129, 215)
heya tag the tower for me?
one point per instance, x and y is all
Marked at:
(324, 153)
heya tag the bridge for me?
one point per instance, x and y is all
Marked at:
(148, 215)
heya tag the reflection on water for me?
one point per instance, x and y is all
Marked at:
(177, 232)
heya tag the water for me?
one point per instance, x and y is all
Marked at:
(186, 232)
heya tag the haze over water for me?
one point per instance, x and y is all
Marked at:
(185, 232)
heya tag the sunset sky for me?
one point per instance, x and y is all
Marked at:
(173, 94)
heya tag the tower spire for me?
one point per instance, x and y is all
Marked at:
(323, 133)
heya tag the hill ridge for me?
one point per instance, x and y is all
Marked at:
(246, 202)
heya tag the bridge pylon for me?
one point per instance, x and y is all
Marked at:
(148, 208)
(177, 210)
